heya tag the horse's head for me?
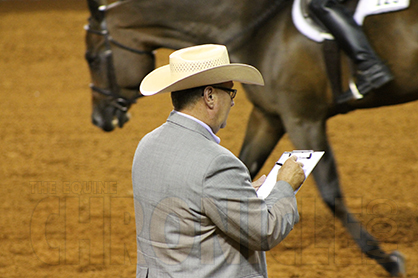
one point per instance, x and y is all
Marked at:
(116, 68)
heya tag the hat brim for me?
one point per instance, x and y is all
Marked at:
(159, 80)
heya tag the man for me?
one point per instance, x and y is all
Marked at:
(197, 212)
(372, 72)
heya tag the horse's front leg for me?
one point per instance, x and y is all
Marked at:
(262, 134)
(312, 135)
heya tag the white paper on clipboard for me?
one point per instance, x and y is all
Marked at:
(309, 159)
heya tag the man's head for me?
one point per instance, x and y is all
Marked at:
(210, 104)
(201, 80)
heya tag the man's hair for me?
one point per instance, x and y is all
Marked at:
(185, 98)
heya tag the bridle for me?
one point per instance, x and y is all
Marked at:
(113, 92)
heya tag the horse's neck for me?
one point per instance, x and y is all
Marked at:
(175, 24)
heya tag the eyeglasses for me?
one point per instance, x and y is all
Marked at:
(232, 92)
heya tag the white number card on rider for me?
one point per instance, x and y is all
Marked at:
(309, 159)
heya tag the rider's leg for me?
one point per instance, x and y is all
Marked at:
(372, 72)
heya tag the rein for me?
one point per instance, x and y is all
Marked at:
(113, 92)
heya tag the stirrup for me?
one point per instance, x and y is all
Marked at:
(351, 94)
(373, 78)
(354, 90)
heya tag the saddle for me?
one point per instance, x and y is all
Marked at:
(313, 30)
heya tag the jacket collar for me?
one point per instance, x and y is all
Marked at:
(194, 124)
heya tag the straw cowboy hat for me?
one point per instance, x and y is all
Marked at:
(198, 66)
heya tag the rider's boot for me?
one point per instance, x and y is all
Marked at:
(372, 73)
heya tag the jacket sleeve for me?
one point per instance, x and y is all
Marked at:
(232, 204)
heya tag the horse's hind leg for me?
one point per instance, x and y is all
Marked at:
(327, 181)
(313, 136)
(262, 134)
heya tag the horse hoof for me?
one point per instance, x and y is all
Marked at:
(399, 258)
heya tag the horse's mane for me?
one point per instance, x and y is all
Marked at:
(201, 21)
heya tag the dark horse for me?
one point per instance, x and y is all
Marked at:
(297, 98)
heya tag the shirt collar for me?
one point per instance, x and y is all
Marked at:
(217, 139)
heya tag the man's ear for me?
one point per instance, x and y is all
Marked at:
(209, 97)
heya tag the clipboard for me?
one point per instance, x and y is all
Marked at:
(309, 158)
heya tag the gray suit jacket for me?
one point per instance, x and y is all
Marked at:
(197, 214)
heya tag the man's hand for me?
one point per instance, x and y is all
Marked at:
(292, 172)
(256, 184)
